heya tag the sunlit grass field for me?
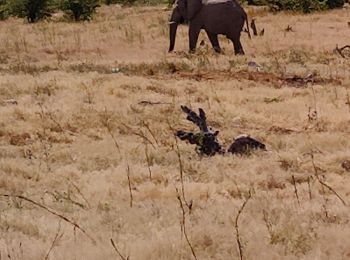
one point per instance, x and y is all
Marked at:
(88, 154)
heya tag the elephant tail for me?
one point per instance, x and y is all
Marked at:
(247, 23)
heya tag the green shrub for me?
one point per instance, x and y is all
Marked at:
(305, 6)
(3, 10)
(335, 3)
(33, 10)
(80, 9)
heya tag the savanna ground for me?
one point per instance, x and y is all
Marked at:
(74, 136)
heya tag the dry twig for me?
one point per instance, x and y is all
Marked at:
(75, 225)
(309, 187)
(238, 238)
(140, 134)
(295, 189)
(322, 182)
(148, 162)
(129, 184)
(106, 123)
(57, 236)
(118, 252)
(183, 223)
(188, 204)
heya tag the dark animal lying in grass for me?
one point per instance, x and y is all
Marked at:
(206, 140)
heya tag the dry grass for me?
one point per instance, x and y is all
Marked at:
(77, 127)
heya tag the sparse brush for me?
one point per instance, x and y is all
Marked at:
(32, 10)
(80, 10)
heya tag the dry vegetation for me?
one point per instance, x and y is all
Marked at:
(76, 140)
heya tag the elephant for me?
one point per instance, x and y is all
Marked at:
(216, 17)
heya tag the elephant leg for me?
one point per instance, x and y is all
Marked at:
(237, 46)
(193, 36)
(214, 41)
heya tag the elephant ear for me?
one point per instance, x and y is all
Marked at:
(193, 7)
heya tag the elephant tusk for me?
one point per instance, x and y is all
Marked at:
(171, 22)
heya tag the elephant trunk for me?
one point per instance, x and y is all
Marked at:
(172, 34)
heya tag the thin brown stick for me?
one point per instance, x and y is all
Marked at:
(189, 205)
(238, 238)
(347, 98)
(151, 132)
(309, 187)
(106, 122)
(323, 183)
(57, 236)
(148, 162)
(295, 189)
(75, 225)
(80, 193)
(183, 223)
(118, 252)
(267, 223)
(140, 134)
(129, 184)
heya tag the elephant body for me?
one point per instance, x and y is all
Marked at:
(218, 17)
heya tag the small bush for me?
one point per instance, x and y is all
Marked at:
(80, 9)
(33, 10)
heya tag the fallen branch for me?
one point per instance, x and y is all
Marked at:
(340, 50)
(75, 225)
(238, 238)
(147, 102)
(206, 140)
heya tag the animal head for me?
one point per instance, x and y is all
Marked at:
(185, 10)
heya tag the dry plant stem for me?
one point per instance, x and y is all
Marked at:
(323, 183)
(189, 205)
(295, 189)
(267, 223)
(238, 238)
(183, 223)
(80, 193)
(112, 136)
(75, 225)
(347, 99)
(151, 132)
(57, 236)
(58, 195)
(309, 187)
(129, 183)
(315, 100)
(140, 134)
(118, 252)
(148, 162)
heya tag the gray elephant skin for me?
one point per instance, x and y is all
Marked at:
(218, 17)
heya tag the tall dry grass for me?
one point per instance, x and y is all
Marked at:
(80, 140)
